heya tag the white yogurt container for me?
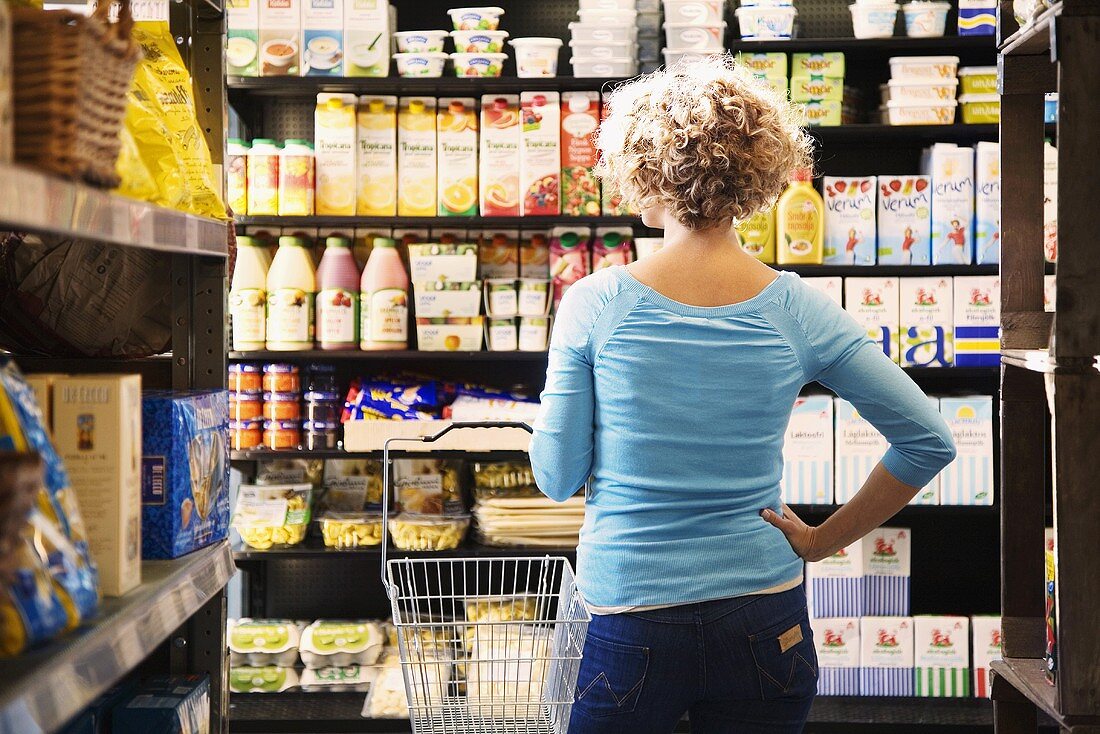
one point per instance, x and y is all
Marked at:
(873, 20)
(476, 19)
(604, 50)
(536, 57)
(607, 5)
(419, 42)
(583, 67)
(603, 34)
(479, 42)
(618, 18)
(420, 64)
(942, 90)
(699, 12)
(925, 19)
(765, 21)
(923, 68)
(920, 113)
(478, 65)
(692, 37)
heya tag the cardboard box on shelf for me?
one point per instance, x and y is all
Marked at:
(887, 568)
(968, 480)
(808, 452)
(850, 220)
(323, 50)
(886, 656)
(376, 162)
(838, 652)
(927, 322)
(835, 584)
(280, 31)
(580, 119)
(367, 27)
(978, 321)
(499, 161)
(42, 385)
(905, 220)
(335, 129)
(986, 634)
(942, 656)
(874, 304)
(242, 42)
(456, 130)
(416, 157)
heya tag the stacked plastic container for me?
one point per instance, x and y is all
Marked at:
(978, 95)
(693, 29)
(877, 18)
(605, 40)
(766, 19)
(921, 91)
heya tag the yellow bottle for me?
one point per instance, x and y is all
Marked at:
(757, 235)
(799, 216)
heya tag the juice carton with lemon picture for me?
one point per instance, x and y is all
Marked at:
(367, 29)
(456, 127)
(334, 136)
(849, 220)
(242, 37)
(323, 37)
(499, 173)
(377, 162)
(540, 154)
(874, 304)
(952, 170)
(280, 28)
(904, 220)
(580, 190)
(968, 480)
(927, 322)
(978, 320)
(416, 157)
(987, 203)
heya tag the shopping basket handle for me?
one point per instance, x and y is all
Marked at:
(494, 424)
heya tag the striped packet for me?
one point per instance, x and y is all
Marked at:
(942, 656)
(977, 321)
(968, 480)
(887, 560)
(808, 452)
(886, 656)
(986, 634)
(835, 584)
(838, 654)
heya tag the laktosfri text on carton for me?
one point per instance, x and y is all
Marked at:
(838, 651)
(808, 452)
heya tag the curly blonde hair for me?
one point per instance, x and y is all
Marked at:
(705, 140)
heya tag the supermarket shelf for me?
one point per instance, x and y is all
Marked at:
(41, 690)
(909, 512)
(1029, 677)
(441, 222)
(262, 454)
(1040, 360)
(886, 271)
(894, 45)
(871, 134)
(388, 356)
(33, 201)
(443, 86)
(313, 547)
(1035, 38)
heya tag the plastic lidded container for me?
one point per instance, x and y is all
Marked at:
(602, 33)
(607, 5)
(419, 42)
(271, 515)
(260, 642)
(694, 37)
(604, 49)
(874, 20)
(703, 12)
(296, 182)
(320, 377)
(245, 435)
(978, 79)
(491, 42)
(910, 68)
(245, 406)
(317, 435)
(980, 108)
(245, 378)
(603, 67)
(479, 64)
(280, 377)
(921, 113)
(536, 57)
(476, 19)
(420, 64)
(925, 19)
(322, 408)
(931, 91)
(282, 434)
(617, 18)
(343, 530)
(327, 643)
(282, 406)
(428, 532)
(762, 21)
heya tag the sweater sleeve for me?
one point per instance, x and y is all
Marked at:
(847, 362)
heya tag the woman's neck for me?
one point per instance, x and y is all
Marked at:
(677, 235)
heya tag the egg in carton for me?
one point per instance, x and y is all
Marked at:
(263, 642)
(327, 643)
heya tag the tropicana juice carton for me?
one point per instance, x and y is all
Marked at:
(886, 656)
(942, 656)
(838, 649)
(808, 452)
(540, 154)
(874, 304)
(985, 631)
(835, 584)
(887, 568)
(987, 203)
(927, 322)
(952, 170)
(850, 220)
(499, 174)
(968, 480)
(977, 320)
(416, 157)
(904, 220)
(377, 162)
(334, 136)
(456, 128)
(580, 190)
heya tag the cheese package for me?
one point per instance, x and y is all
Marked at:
(838, 649)
(886, 656)
(808, 452)
(832, 286)
(968, 480)
(904, 220)
(978, 320)
(850, 220)
(874, 304)
(986, 633)
(927, 322)
(835, 584)
(887, 568)
(942, 656)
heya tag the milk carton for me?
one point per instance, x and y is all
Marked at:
(808, 452)
(1050, 293)
(930, 493)
(580, 189)
(887, 568)
(377, 159)
(874, 304)
(242, 37)
(986, 634)
(927, 322)
(540, 154)
(499, 164)
(942, 656)
(978, 320)
(838, 650)
(323, 37)
(367, 29)
(832, 286)
(280, 28)
(859, 447)
(904, 220)
(416, 157)
(886, 656)
(849, 220)
(457, 141)
(334, 143)
(835, 584)
(968, 480)
(952, 170)
(987, 203)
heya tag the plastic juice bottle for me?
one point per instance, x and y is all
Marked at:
(457, 137)
(338, 297)
(263, 172)
(236, 176)
(757, 235)
(291, 288)
(384, 293)
(416, 157)
(248, 295)
(799, 216)
(377, 164)
(296, 179)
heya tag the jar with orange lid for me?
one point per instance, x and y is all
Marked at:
(282, 406)
(282, 378)
(245, 406)
(283, 435)
(246, 378)
(245, 434)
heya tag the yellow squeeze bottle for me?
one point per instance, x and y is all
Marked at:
(757, 235)
(799, 217)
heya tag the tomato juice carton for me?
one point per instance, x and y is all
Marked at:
(534, 254)
(838, 649)
(874, 304)
(540, 154)
(977, 320)
(367, 26)
(569, 257)
(849, 220)
(987, 203)
(968, 480)
(242, 47)
(832, 286)
(887, 568)
(323, 50)
(376, 127)
(580, 190)
(952, 170)
(985, 631)
(280, 27)
(942, 656)
(499, 163)
(886, 656)
(904, 220)
(499, 251)
(927, 322)
(834, 585)
(457, 140)
(808, 452)
(612, 246)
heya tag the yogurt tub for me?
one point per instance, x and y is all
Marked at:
(420, 64)
(419, 42)
(921, 113)
(603, 34)
(583, 67)
(692, 37)
(536, 57)
(476, 19)
(978, 79)
(675, 57)
(478, 65)
(980, 108)
(923, 68)
(873, 20)
(765, 21)
(603, 50)
(925, 19)
(616, 18)
(480, 42)
(700, 12)
(925, 92)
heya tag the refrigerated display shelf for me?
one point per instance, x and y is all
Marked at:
(313, 547)
(262, 454)
(319, 355)
(440, 222)
(893, 45)
(442, 86)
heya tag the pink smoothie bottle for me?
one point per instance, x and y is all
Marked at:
(385, 299)
(337, 297)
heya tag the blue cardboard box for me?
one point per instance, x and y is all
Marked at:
(166, 705)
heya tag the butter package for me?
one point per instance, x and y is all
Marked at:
(242, 49)
(97, 429)
(905, 220)
(769, 65)
(978, 321)
(886, 656)
(817, 64)
(952, 170)
(185, 471)
(808, 452)
(832, 286)
(887, 568)
(874, 304)
(166, 705)
(942, 656)
(968, 480)
(838, 650)
(987, 203)
(822, 88)
(850, 220)
(986, 634)
(927, 322)
(834, 585)
(822, 112)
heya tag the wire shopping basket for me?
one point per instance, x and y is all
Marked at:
(487, 645)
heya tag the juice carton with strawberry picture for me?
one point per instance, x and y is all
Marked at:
(887, 568)
(808, 452)
(968, 480)
(977, 320)
(942, 656)
(830, 285)
(534, 254)
(986, 633)
(952, 170)
(540, 154)
(377, 164)
(886, 656)
(569, 257)
(874, 304)
(416, 157)
(849, 220)
(987, 203)
(612, 246)
(499, 165)
(580, 190)
(904, 220)
(499, 249)
(838, 649)
(834, 585)
(927, 322)
(457, 141)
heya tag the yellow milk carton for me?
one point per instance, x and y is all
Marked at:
(927, 322)
(416, 157)
(499, 175)
(334, 148)
(377, 160)
(367, 30)
(540, 154)
(456, 130)
(873, 303)
(280, 27)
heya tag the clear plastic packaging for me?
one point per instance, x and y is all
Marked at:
(270, 516)
(427, 533)
(504, 479)
(352, 485)
(261, 679)
(345, 530)
(327, 643)
(263, 642)
(339, 679)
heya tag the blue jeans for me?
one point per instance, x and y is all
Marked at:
(742, 665)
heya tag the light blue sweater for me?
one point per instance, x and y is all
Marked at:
(678, 413)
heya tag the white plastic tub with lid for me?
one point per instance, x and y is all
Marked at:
(920, 113)
(873, 20)
(596, 16)
(940, 90)
(420, 41)
(765, 21)
(675, 57)
(607, 5)
(694, 37)
(700, 12)
(925, 19)
(536, 57)
(604, 50)
(583, 67)
(914, 68)
(603, 34)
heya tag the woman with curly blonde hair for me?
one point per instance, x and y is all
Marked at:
(670, 385)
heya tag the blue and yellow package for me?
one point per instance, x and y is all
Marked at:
(184, 472)
(166, 705)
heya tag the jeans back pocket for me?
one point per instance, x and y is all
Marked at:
(786, 659)
(611, 677)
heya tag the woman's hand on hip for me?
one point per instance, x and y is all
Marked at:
(802, 537)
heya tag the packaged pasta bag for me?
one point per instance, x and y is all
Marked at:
(135, 177)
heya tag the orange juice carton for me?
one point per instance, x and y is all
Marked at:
(262, 165)
(952, 170)
(968, 480)
(850, 220)
(367, 27)
(987, 202)
(97, 429)
(540, 154)
(499, 250)
(927, 322)
(832, 286)
(569, 257)
(817, 64)
(242, 37)
(808, 452)
(942, 656)
(580, 190)
(449, 334)
(837, 640)
(887, 567)
(456, 130)
(834, 585)
(874, 304)
(886, 656)
(1050, 293)
(416, 157)
(334, 136)
(323, 51)
(376, 166)
(977, 320)
(499, 163)
(447, 298)
(904, 220)
(432, 262)
(985, 631)
(279, 37)
(612, 246)
(768, 65)
(534, 253)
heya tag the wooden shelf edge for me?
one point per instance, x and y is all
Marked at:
(1029, 678)
(1034, 38)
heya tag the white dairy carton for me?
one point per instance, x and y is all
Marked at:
(887, 568)
(850, 220)
(835, 584)
(952, 170)
(1050, 293)
(838, 651)
(280, 30)
(874, 304)
(367, 26)
(323, 38)
(927, 322)
(886, 656)
(859, 447)
(242, 37)
(808, 452)
(987, 203)
(832, 286)
(986, 634)
(904, 220)
(930, 493)
(977, 321)
(968, 480)
(941, 656)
